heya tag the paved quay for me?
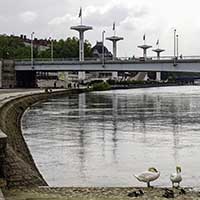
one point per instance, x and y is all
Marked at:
(6, 94)
(76, 193)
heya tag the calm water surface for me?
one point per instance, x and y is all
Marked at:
(103, 138)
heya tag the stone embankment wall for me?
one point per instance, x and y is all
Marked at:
(7, 74)
(19, 168)
(3, 143)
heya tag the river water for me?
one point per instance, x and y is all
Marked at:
(103, 138)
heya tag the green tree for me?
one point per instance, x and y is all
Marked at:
(68, 48)
(13, 47)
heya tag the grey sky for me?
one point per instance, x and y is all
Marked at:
(134, 18)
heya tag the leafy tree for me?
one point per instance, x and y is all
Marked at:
(68, 48)
(13, 47)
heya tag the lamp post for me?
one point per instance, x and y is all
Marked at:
(177, 46)
(32, 34)
(51, 40)
(175, 58)
(103, 53)
(174, 43)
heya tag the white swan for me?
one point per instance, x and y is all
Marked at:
(176, 177)
(151, 175)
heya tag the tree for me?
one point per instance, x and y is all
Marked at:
(13, 47)
(68, 48)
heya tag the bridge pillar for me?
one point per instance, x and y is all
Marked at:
(81, 76)
(158, 51)
(158, 76)
(81, 29)
(114, 75)
(114, 40)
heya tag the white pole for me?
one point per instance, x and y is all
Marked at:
(174, 43)
(103, 53)
(177, 46)
(32, 34)
(52, 50)
(175, 63)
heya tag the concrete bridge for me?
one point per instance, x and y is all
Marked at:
(23, 73)
(167, 64)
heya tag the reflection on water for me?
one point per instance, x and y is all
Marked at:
(103, 138)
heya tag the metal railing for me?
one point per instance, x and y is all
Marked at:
(125, 59)
(55, 59)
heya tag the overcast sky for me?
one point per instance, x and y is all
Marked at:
(134, 18)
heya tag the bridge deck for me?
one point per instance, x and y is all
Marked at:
(181, 65)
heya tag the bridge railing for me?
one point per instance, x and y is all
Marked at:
(28, 60)
(55, 59)
(191, 57)
(136, 59)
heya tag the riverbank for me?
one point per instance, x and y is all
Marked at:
(19, 167)
(44, 193)
(76, 193)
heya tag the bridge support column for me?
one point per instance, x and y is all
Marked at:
(66, 79)
(114, 39)
(81, 29)
(158, 51)
(158, 76)
(81, 76)
(114, 75)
